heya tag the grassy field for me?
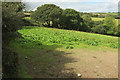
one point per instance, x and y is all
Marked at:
(67, 38)
(97, 19)
(101, 19)
(43, 52)
(112, 13)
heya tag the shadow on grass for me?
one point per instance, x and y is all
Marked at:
(37, 60)
(9, 58)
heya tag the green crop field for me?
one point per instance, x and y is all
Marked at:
(66, 38)
(112, 13)
(97, 19)
(101, 19)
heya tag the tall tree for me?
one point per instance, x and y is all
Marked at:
(110, 24)
(71, 19)
(87, 20)
(47, 13)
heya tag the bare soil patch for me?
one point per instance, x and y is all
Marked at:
(94, 63)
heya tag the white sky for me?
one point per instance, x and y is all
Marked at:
(79, 5)
(70, 0)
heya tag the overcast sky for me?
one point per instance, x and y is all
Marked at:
(79, 5)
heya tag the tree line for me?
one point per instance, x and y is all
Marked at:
(73, 20)
(103, 15)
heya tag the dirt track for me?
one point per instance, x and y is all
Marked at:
(94, 63)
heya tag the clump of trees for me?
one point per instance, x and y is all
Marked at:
(108, 26)
(48, 13)
(71, 20)
(56, 17)
(64, 19)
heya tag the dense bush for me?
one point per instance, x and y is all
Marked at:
(110, 24)
(11, 16)
(11, 21)
(88, 22)
(101, 29)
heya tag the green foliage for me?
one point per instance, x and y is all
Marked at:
(93, 43)
(11, 16)
(68, 39)
(109, 21)
(87, 19)
(100, 28)
(107, 26)
(30, 22)
(110, 24)
(47, 13)
(118, 30)
(88, 22)
(66, 19)
(71, 19)
(103, 15)
(115, 15)
(69, 47)
(11, 21)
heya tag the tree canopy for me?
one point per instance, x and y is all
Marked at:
(11, 16)
(71, 19)
(47, 13)
(110, 24)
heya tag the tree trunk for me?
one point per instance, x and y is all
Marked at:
(48, 23)
(53, 24)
